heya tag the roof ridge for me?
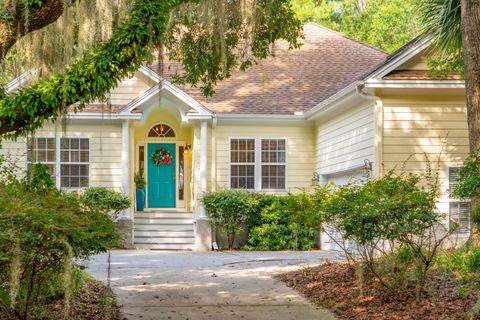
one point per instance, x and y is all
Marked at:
(347, 37)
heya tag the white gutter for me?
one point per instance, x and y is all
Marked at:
(103, 116)
(413, 84)
(327, 103)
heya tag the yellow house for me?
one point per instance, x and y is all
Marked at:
(330, 109)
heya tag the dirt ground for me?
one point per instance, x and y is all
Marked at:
(335, 286)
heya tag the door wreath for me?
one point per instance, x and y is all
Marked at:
(161, 157)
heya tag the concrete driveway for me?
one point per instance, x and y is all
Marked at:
(212, 285)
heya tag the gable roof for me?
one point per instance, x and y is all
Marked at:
(291, 80)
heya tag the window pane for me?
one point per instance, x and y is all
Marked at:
(234, 156)
(273, 150)
(74, 175)
(273, 177)
(460, 216)
(242, 176)
(84, 144)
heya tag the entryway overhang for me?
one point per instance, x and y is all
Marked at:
(189, 108)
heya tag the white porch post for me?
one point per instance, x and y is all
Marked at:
(124, 222)
(203, 230)
(203, 165)
(125, 158)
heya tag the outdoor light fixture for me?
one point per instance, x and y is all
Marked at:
(315, 180)
(367, 168)
(187, 148)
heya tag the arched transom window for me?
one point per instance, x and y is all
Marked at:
(161, 130)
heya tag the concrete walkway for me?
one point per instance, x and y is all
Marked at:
(214, 285)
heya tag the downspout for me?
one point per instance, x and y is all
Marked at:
(378, 131)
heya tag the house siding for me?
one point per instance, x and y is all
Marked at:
(418, 126)
(300, 148)
(346, 140)
(127, 90)
(105, 150)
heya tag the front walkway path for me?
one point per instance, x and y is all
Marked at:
(214, 285)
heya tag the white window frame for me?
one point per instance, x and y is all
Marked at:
(58, 163)
(47, 162)
(258, 162)
(456, 200)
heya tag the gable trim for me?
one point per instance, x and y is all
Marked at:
(397, 60)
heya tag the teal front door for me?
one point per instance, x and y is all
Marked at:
(161, 175)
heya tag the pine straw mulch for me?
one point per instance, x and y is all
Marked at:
(95, 301)
(335, 287)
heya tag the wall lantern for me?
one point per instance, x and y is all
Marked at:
(187, 148)
(367, 168)
(315, 180)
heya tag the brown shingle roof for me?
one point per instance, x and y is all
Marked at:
(292, 80)
(419, 75)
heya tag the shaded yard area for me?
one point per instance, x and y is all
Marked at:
(335, 286)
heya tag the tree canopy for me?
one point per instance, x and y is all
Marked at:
(205, 36)
(386, 24)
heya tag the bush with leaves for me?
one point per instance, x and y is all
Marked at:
(104, 200)
(41, 231)
(385, 216)
(286, 223)
(468, 186)
(228, 210)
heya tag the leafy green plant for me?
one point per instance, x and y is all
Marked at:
(384, 215)
(41, 230)
(40, 178)
(104, 200)
(285, 222)
(139, 180)
(468, 186)
(228, 209)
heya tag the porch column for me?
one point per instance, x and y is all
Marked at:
(203, 230)
(203, 165)
(124, 223)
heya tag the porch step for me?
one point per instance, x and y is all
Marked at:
(164, 221)
(188, 247)
(164, 230)
(164, 240)
(163, 233)
(160, 214)
(163, 227)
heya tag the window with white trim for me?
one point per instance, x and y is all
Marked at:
(74, 163)
(242, 163)
(258, 164)
(68, 158)
(42, 150)
(273, 164)
(459, 211)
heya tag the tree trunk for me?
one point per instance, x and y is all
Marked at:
(471, 57)
(21, 21)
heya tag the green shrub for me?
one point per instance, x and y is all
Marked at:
(469, 183)
(386, 214)
(104, 200)
(280, 237)
(42, 230)
(228, 209)
(464, 260)
(283, 222)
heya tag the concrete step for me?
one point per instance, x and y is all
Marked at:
(170, 215)
(164, 246)
(164, 234)
(164, 227)
(164, 240)
(163, 221)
